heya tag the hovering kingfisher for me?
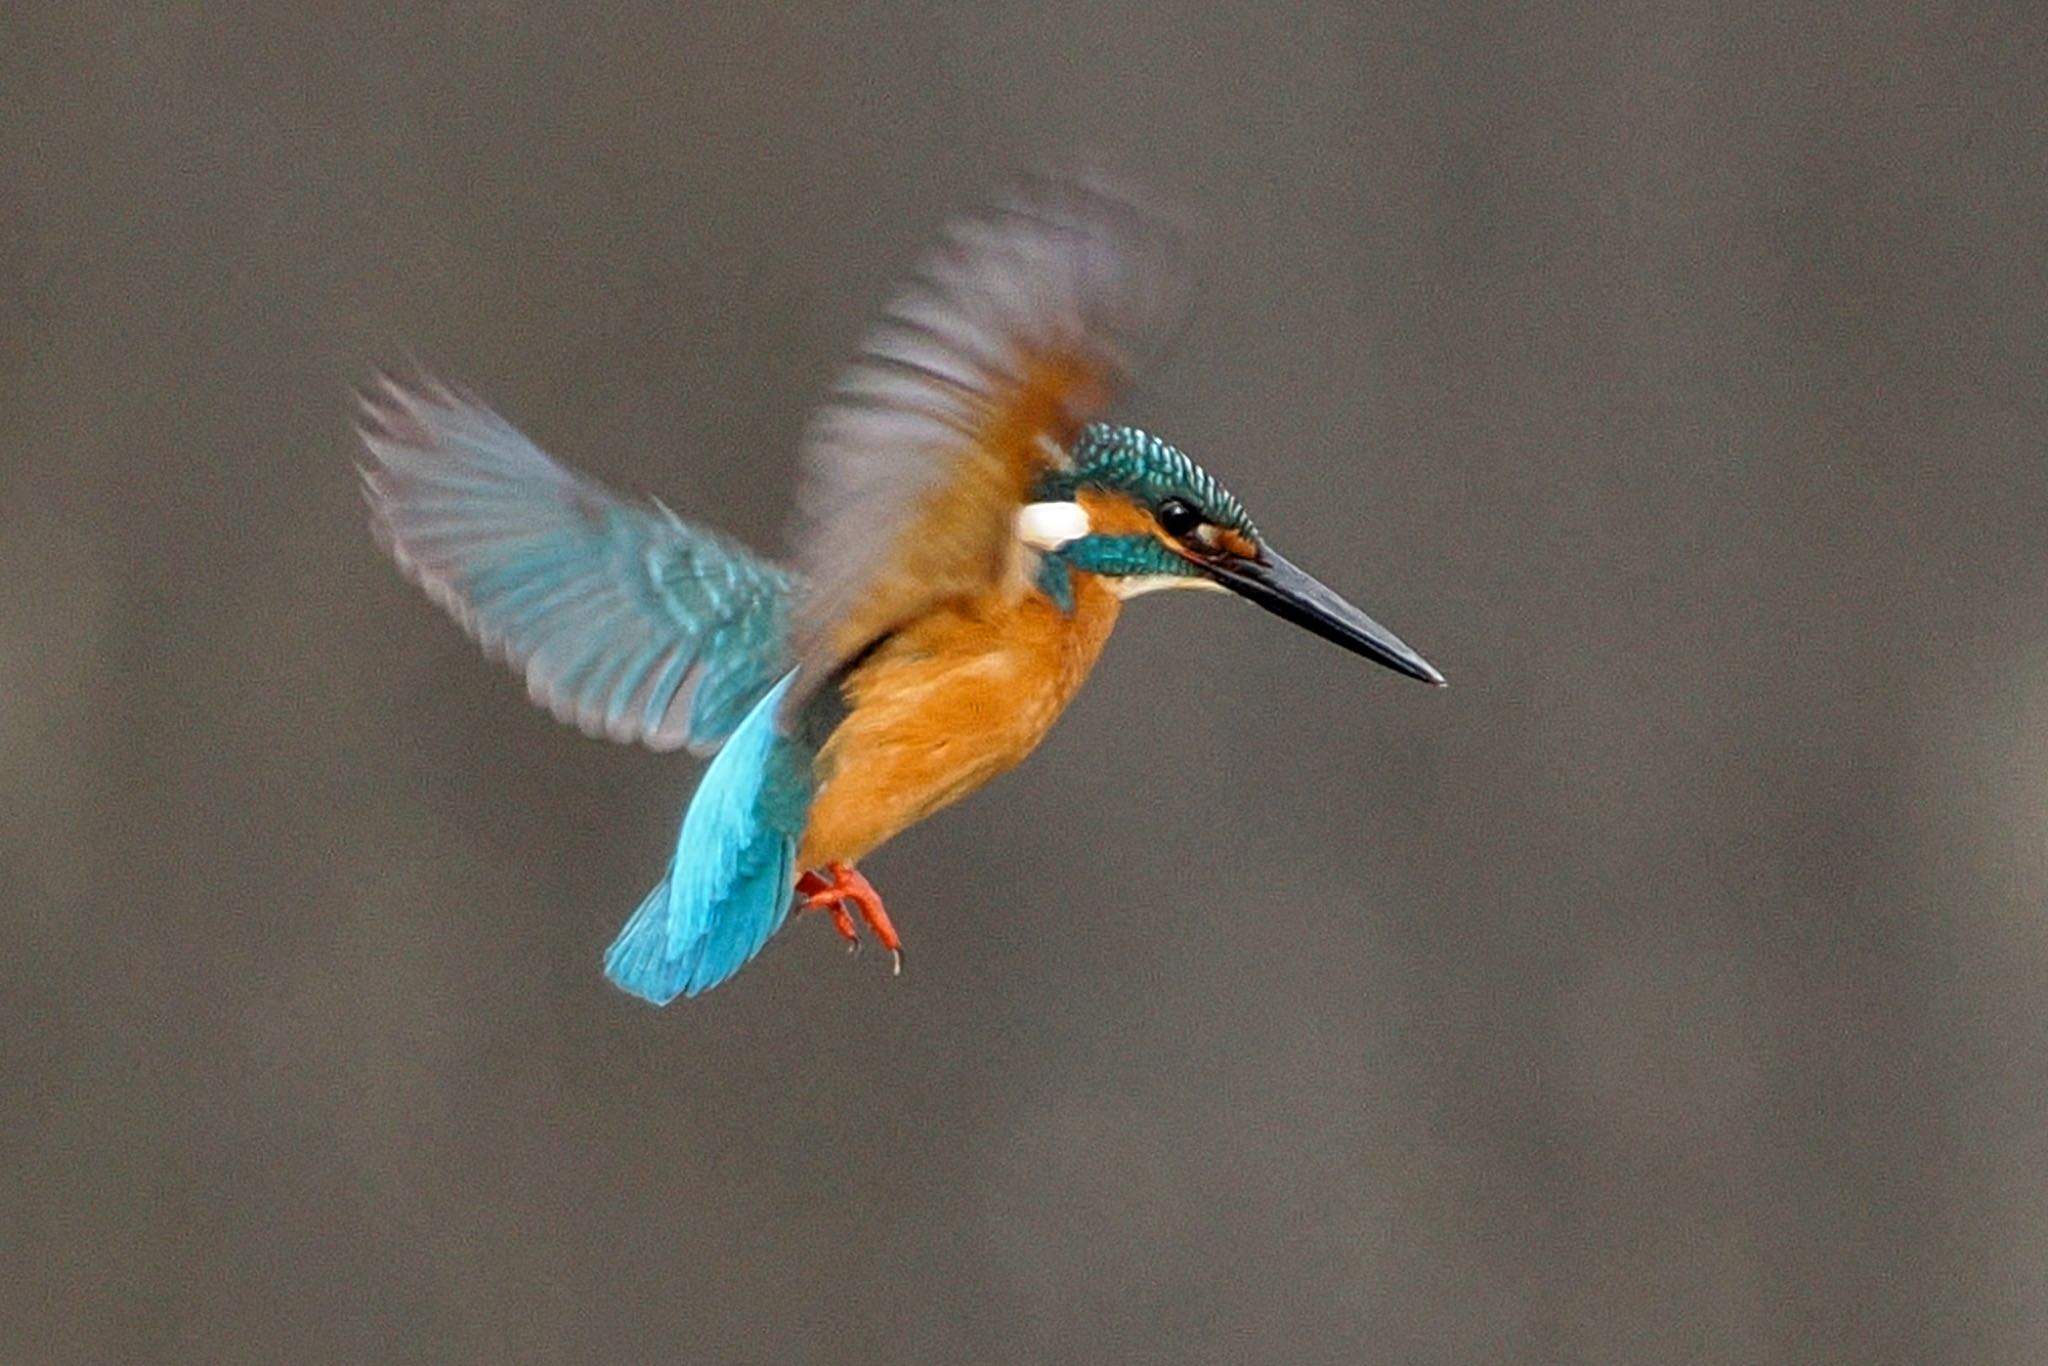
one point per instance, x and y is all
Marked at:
(969, 532)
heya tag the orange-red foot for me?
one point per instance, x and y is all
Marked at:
(839, 886)
(818, 896)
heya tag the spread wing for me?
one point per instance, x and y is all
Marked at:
(625, 620)
(1012, 336)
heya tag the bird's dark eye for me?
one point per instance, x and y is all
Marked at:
(1178, 518)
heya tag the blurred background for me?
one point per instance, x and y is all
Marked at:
(1672, 988)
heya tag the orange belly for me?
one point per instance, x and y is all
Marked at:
(943, 706)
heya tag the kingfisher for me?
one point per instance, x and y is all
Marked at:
(968, 530)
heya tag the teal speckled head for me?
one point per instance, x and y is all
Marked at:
(1151, 471)
(1148, 517)
(1175, 500)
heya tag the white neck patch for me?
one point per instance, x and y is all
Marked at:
(1048, 526)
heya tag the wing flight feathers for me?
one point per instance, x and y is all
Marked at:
(1014, 333)
(625, 621)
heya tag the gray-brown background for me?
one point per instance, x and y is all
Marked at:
(1675, 987)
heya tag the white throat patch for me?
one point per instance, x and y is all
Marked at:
(1134, 585)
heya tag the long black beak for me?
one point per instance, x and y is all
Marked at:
(1285, 591)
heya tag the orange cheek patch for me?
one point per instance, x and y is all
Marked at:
(1112, 514)
(1236, 543)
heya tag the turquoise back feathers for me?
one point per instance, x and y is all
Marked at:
(731, 881)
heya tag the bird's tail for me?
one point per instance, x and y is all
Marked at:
(733, 877)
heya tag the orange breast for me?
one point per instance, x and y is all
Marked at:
(947, 703)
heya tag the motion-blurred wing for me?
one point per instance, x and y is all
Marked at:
(626, 621)
(1012, 336)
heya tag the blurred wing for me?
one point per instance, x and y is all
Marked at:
(626, 621)
(1011, 337)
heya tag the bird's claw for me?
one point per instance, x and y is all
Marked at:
(839, 887)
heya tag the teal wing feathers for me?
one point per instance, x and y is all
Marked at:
(625, 620)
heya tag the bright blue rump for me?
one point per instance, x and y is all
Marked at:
(733, 877)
